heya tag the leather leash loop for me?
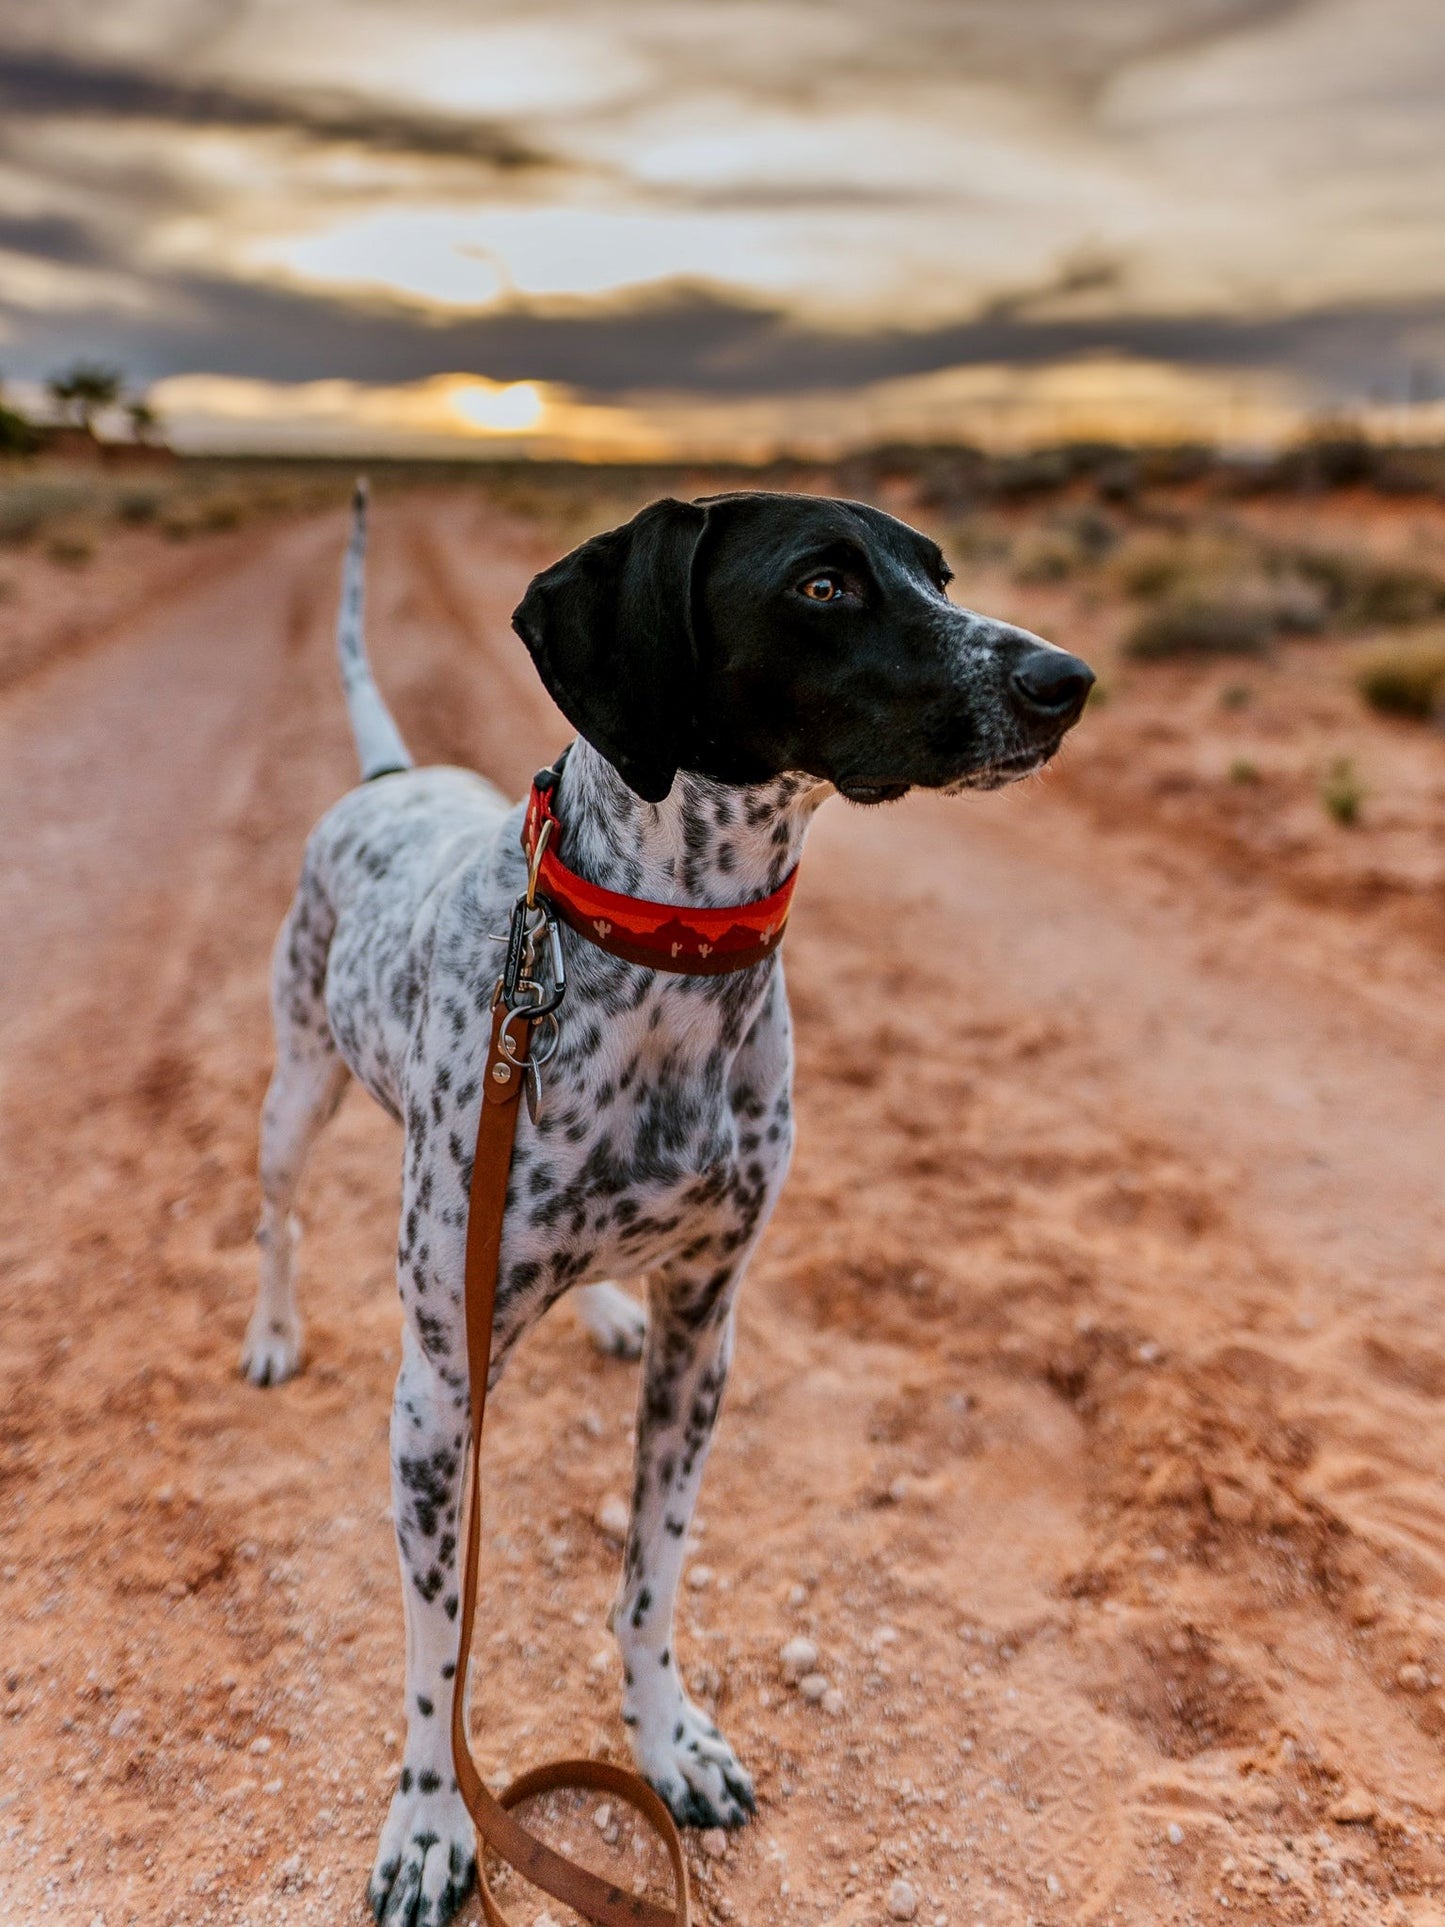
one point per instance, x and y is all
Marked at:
(596, 1899)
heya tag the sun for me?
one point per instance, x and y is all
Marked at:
(511, 410)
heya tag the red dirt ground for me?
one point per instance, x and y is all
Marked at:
(1089, 1411)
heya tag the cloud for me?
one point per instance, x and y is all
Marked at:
(41, 85)
(762, 204)
(692, 338)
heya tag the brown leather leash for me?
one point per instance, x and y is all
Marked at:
(660, 937)
(596, 1899)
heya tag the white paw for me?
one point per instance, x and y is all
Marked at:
(696, 1771)
(272, 1351)
(616, 1323)
(427, 1857)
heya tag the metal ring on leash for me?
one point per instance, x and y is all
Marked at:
(508, 1044)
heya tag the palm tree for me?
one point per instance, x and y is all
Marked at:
(83, 390)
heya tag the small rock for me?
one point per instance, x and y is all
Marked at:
(715, 1843)
(1054, 1885)
(592, 1425)
(833, 1703)
(699, 1577)
(902, 1901)
(797, 1595)
(1354, 1809)
(124, 1722)
(813, 1687)
(263, 1745)
(612, 1516)
(898, 1490)
(1175, 1834)
(1414, 1679)
(600, 1661)
(602, 1818)
(798, 1657)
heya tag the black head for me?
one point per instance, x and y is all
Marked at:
(744, 635)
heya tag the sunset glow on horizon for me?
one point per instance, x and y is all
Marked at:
(728, 226)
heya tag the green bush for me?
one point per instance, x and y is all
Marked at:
(1405, 679)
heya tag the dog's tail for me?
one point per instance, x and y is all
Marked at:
(378, 740)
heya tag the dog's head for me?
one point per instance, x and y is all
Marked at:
(744, 635)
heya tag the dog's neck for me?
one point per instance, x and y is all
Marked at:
(706, 843)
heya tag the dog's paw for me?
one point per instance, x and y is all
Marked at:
(427, 1858)
(616, 1323)
(697, 1773)
(272, 1351)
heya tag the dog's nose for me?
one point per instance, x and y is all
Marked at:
(1053, 682)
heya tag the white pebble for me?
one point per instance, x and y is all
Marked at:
(799, 1656)
(699, 1577)
(715, 1842)
(902, 1901)
(612, 1516)
(833, 1702)
(1176, 1834)
(602, 1818)
(813, 1686)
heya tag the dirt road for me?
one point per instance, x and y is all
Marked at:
(1089, 1412)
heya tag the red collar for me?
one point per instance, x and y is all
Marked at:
(691, 942)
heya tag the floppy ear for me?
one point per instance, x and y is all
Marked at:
(610, 630)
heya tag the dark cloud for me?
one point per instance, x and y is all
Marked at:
(53, 237)
(687, 339)
(36, 85)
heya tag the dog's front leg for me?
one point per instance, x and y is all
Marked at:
(427, 1855)
(685, 1365)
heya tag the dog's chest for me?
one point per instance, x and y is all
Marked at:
(663, 1123)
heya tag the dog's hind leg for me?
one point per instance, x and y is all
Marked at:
(615, 1322)
(305, 1089)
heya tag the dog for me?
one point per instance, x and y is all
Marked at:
(729, 664)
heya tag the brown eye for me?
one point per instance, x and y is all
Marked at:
(822, 588)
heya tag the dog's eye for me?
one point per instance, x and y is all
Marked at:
(821, 588)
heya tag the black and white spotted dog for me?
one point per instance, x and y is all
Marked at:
(730, 664)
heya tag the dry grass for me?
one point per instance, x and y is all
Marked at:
(1405, 678)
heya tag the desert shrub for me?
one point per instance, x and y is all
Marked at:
(1043, 558)
(1199, 625)
(32, 506)
(1342, 792)
(137, 506)
(70, 549)
(1405, 679)
(1039, 472)
(1363, 593)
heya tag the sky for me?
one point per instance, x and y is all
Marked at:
(651, 226)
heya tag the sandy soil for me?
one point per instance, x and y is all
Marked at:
(1089, 1412)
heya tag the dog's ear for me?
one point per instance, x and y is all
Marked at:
(610, 630)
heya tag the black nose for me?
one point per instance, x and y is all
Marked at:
(1053, 682)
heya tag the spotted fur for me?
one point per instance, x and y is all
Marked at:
(660, 1153)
